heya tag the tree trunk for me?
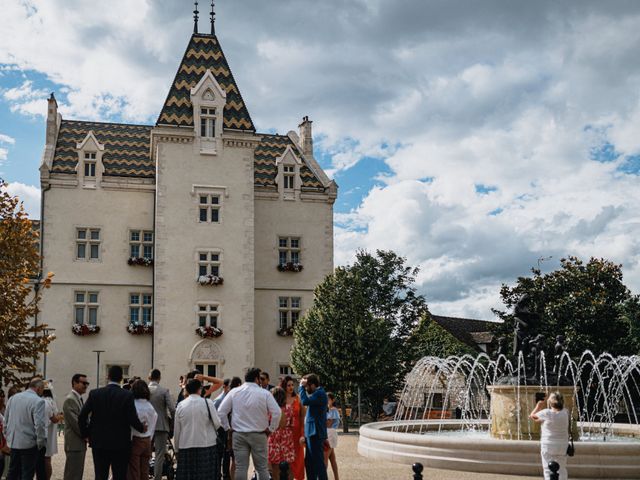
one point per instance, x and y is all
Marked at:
(343, 409)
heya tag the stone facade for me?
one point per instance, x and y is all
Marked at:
(197, 221)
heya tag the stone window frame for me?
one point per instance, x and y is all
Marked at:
(209, 262)
(88, 242)
(291, 254)
(208, 120)
(209, 191)
(211, 206)
(90, 160)
(141, 307)
(288, 312)
(206, 367)
(211, 310)
(285, 369)
(87, 305)
(143, 245)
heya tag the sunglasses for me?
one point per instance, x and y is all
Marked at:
(86, 384)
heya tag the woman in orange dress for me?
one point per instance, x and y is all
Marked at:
(299, 411)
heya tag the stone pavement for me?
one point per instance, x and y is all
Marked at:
(351, 466)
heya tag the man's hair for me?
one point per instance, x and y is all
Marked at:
(140, 390)
(313, 379)
(36, 382)
(154, 375)
(76, 378)
(47, 393)
(235, 383)
(226, 382)
(266, 374)
(193, 386)
(279, 395)
(252, 374)
(556, 400)
(115, 373)
(193, 373)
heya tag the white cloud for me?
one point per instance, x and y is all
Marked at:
(6, 140)
(513, 95)
(28, 195)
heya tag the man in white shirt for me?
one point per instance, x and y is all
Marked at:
(255, 415)
(25, 432)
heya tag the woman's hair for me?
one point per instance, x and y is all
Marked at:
(140, 390)
(285, 381)
(280, 396)
(556, 401)
(235, 382)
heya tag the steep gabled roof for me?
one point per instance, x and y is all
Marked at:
(467, 330)
(204, 53)
(126, 148)
(265, 169)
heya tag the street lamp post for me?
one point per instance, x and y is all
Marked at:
(98, 352)
(48, 332)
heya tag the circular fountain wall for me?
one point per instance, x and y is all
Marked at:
(603, 391)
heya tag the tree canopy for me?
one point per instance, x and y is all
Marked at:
(587, 303)
(20, 341)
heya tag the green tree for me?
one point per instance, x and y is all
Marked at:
(588, 304)
(359, 331)
(20, 342)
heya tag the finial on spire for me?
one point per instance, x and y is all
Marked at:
(213, 18)
(195, 18)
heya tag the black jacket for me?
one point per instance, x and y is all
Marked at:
(112, 413)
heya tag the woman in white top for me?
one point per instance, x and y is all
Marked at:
(51, 417)
(141, 441)
(194, 437)
(554, 433)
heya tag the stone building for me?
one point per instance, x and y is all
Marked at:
(192, 243)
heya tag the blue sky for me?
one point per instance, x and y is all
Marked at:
(474, 139)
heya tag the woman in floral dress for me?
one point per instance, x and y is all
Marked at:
(299, 411)
(281, 441)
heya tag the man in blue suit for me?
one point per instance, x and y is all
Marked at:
(315, 399)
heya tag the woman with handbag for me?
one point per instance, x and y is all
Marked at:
(554, 433)
(196, 424)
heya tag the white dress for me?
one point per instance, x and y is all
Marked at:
(50, 409)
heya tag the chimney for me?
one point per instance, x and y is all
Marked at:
(52, 120)
(306, 139)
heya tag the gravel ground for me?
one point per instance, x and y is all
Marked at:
(351, 466)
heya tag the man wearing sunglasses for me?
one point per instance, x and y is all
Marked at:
(75, 447)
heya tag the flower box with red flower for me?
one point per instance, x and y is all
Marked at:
(137, 329)
(285, 331)
(142, 261)
(290, 267)
(210, 280)
(208, 332)
(83, 330)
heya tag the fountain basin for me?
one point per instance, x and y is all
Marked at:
(593, 460)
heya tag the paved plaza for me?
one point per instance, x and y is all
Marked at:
(352, 467)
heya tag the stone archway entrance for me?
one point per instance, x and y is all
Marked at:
(207, 356)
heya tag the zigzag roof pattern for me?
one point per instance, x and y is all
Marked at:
(265, 169)
(204, 53)
(126, 148)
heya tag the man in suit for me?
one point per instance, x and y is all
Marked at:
(75, 447)
(26, 433)
(113, 413)
(165, 408)
(313, 396)
(265, 381)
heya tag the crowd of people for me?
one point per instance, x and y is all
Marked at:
(135, 429)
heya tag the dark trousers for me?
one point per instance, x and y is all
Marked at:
(116, 460)
(25, 463)
(314, 459)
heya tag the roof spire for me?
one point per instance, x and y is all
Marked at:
(213, 18)
(195, 18)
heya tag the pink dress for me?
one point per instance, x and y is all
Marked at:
(281, 446)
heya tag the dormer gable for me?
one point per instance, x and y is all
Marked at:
(89, 167)
(288, 176)
(208, 99)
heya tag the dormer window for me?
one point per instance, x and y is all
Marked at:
(90, 164)
(207, 122)
(289, 175)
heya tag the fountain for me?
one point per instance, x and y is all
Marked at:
(472, 413)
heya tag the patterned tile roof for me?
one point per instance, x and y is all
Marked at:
(204, 53)
(265, 170)
(126, 148)
(467, 330)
